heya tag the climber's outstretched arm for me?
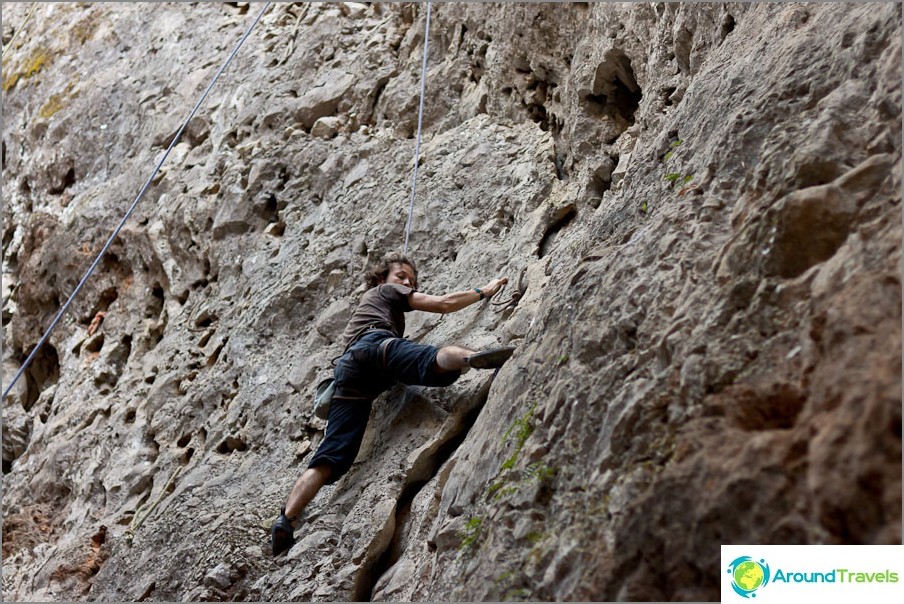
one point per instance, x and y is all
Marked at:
(455, 300)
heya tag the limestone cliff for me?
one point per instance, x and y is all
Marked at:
(699, 207)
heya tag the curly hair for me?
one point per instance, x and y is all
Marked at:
(378, 273)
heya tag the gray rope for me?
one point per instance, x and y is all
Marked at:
(132, 208)
(420, 119)
(9, 44)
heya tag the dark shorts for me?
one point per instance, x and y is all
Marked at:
(374, 364)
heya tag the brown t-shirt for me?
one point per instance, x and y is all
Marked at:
(381, 307)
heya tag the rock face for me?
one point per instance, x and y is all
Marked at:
(699, 209)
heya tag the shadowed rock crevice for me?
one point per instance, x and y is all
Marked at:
(67, 180)
(615, 94)
(728, 26)
(104, 300)
(43, 373)
(561, 219)
(231, 444)
(601, 180)
(422, 471)
(760, 407)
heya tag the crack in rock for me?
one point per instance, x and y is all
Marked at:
(430, 459)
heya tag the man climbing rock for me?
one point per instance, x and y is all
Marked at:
(376, 357)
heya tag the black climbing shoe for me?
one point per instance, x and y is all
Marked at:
(281, 535)
(491, 359)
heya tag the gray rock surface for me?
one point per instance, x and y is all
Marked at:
(699, 209)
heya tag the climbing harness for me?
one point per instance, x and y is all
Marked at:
(106, 247)
(9, 44)
(420, 118)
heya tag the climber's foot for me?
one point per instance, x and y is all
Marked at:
(491, 359)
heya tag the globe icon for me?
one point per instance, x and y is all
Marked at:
(748, 575)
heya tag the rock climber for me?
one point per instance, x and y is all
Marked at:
(376, 357)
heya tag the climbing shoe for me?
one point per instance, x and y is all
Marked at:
(281, 534)
(491, 359)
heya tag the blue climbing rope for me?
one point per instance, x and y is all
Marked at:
(133, 206)
(420, 119)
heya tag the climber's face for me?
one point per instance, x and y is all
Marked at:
(402, 274)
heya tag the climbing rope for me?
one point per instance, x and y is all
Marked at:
(133, 206)
(9, 44)
(138, 520)
(420, 118)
